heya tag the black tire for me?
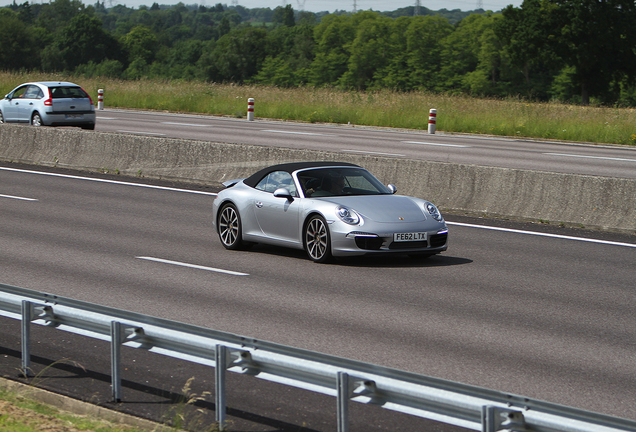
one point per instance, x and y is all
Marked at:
(36, 119)
(229, 227)
(89, 126)
(317, 240)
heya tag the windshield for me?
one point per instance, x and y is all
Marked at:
(325, 182)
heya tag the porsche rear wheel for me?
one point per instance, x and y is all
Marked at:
(317, 240)
(230, 230)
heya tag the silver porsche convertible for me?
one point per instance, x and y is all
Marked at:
(329, 209)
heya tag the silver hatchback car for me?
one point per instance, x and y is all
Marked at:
(49, 103)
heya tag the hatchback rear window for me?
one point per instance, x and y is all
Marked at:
(67, 92)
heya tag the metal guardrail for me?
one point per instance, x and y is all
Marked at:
(444, 401)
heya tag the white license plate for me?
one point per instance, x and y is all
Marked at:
(407, 237)
(74, 116)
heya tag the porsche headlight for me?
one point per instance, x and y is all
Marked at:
(432, 210)
(347, 215)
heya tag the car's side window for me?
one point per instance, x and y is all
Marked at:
(277, 180)
(19, 92)
(33, 92)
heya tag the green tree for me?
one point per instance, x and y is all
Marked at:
(370, 50)
(460, 54)
(236, 57)
(492, 63)
(595, 38)
(17, 47)
(284, 16)
(333, 37)
(84, 40)
(58, 13)
(140, 44)
(424, 37)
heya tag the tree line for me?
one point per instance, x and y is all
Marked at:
(570, 50)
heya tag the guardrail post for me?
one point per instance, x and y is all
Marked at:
(495, 419)
(100, 99)
(488, 419)
(342, 384)
(220, 357)
(27, 313)
(115, 359)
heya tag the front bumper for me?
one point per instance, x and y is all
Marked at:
(362, 242)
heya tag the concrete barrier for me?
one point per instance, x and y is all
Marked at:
(573, 200)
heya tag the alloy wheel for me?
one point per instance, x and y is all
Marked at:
(230, 227)
(317, 241)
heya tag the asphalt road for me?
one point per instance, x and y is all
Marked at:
(609, 161)
(534, 310)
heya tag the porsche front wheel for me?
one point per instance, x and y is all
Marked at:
(317, 240)
(230, 230)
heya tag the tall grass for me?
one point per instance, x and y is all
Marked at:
(463, 114)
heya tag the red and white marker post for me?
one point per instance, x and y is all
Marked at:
(250, 109)
(432, 120)
(100, 99)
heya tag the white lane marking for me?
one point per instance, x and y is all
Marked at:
(107, 181)
(435, 144)
(590, 157)
(374, 153)
(583, 239)
(141, 133)
(296, 133)
(107, 118)
(194, 266)
(186, 124)
(17, 197)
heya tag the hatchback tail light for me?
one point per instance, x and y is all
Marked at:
(88, 96)
(49, 101)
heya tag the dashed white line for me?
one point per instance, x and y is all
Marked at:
(591, 157)
(559, 236)
(193, 266)
(17, 198)
(434, 144)
(296, 133)
(374, 153)
(141, 133)
(186, 124)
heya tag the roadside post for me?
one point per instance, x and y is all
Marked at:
(100, 99)
(250, 109)
(432, 119)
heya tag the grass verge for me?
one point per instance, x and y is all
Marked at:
(21, 414)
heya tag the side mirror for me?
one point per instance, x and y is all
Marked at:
(392, 188)
(283, 193)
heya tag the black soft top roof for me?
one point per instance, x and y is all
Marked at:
(291, 167)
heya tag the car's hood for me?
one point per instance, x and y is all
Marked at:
(383, 208)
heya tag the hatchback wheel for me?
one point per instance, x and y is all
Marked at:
(230, 230)
(317, 240)
(36, 120)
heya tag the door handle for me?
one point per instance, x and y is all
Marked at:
(259, 204)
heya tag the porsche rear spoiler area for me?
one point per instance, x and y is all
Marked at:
(231, 183)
